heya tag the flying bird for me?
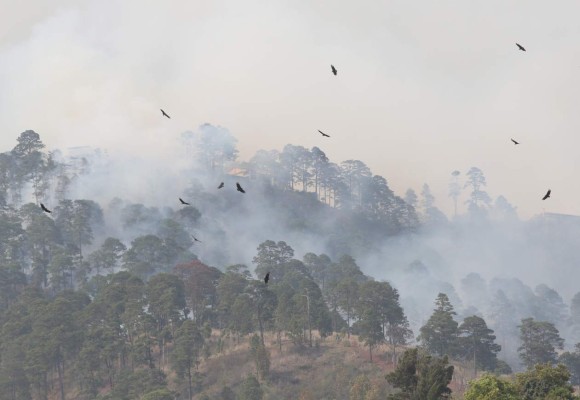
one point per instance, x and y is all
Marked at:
(515, 142)
(164, 113)
(323, 134)
(44, 208)
(221, 185)
(196, 239)
(520, 47)
(267, 278)
(547, 194)
(334, 71)
(239, 188)
(183, 202)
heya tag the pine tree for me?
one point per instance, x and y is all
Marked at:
(370, 330)
(540, 340)
(476, 342)
(421, 377)
(439, 334)
(186, 351)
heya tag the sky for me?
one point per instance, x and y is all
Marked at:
(423, 88)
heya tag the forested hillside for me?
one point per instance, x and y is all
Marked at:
(123, 292)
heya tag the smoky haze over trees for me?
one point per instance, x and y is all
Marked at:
(111, 296)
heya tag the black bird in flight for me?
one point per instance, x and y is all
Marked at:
(221, 185)
(44, 208)
(515, 142)
(334, 71)
(164, 113)
(520, 47)
(323, 134)
(239, 188)
(196, 239)
(547, 194)
(267, 278)
(183, 202)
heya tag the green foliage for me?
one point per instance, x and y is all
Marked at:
(186, 351)
(43, 239)
(166, 298)
(289, 315)
(318, 267)
(174, 236)
(133, 385)
(200, 292)
(539, 340)
(490, 387)
(232, 301)
(477, 342)
(250, 389)
(572, 362)
(545, 382)
(421, 377)
(439, 334)
(347, 291)
(12, 243)
(159, 394)
(61, 269)
(30, 164)
(238, 321)
(57, 343)
(369, 329)
(262, 304)
(76, 221)
(271, 257)
(381, 298)
(147, 255)
(261, 357)
(12, 282)
(300, 306)
(107, 256)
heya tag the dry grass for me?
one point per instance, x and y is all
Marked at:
(322, 372)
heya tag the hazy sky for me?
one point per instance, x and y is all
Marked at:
(423, 87)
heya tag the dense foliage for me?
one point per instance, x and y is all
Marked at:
(119, 301)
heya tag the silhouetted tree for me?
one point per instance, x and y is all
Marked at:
(270, 257)
(439, 334)
(479, 200)
(476, 342)
(214, 146)
(572, 361)
(186, 351)
(200, 282)
(539, 340)
(421, 377)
